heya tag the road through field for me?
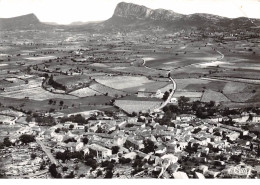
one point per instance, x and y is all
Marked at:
(48, 153)
(170, 95)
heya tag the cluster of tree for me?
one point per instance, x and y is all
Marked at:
(90, 161)
(148, 146)
(227, 112)
(74, 118)
(166, 95)
(192, 148)
(70, 140)
(85, 140)
(5, 143)
(108, 165)
(200, 109)
(42, 120)
(115, 149)
(123, 160)
(53, 171)
(67, 155)
(53, 102)
(138, 165)
(25, 138)
(101, 130)
(55, 84)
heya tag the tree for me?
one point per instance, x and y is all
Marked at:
(53, 171)
(211, 104)
(33, 156)
(91, 162)
(183, 102)
(109, 174)
(7, 142)
(85, 140)
(71, 127)
(61, 103)
(148, 146)
(115, 149)
(50, 101)
(28, 119)
(57, 130)
(166, 95)
(27, 138)
(2, 146)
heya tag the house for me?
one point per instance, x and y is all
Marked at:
(185, 117)
(133, 144)
(102, 152)
(174, 100)
(79, 127)
(233, 136)
(160, 149)
(216, 118)
(79, 146)
(256, 119)
(239, 118)
(132, 119)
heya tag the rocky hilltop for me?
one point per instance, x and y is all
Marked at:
(129, 10)
(132, 15)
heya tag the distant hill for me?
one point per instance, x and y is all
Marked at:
(83, 23)
(29, 21)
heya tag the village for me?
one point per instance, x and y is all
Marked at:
(117, 145)
(85, 103)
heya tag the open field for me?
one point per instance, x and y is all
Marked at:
(85, 92)
(137, 105)
(123, 82)
(37, 93)
(107, 90)
(210, 95)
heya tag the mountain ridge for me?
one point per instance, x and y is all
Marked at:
(133, 16)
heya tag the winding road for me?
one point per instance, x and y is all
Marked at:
(173, 81)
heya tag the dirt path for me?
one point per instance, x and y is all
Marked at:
(47, 151)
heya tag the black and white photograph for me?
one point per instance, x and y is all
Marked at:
(130, 90)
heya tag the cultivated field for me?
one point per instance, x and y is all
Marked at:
(210, 95)
(123, 82)
(131, 106)
(85, 92)
(107, 90)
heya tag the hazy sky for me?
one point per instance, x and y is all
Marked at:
(67, 11)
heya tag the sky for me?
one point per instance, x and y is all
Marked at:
(67, 11)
